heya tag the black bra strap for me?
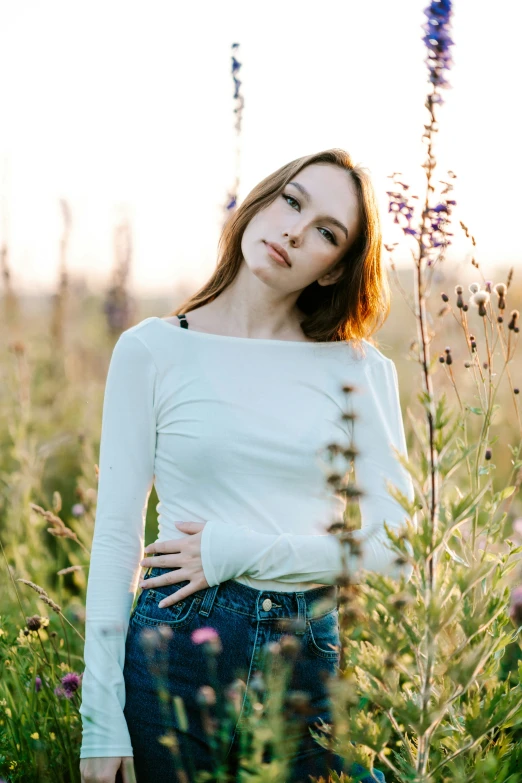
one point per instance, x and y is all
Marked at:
(183, 321)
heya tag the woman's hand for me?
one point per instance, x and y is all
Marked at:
(183, 554)
(104, 770)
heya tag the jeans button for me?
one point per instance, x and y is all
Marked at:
(267, 604)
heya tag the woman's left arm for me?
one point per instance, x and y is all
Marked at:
(228, 551)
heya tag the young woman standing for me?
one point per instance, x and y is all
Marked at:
(226, 406)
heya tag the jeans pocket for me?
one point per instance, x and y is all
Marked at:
(148, 613)
(323, 637)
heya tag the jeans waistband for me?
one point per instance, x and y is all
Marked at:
(264, 605)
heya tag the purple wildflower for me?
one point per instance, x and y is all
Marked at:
(438, 42)
(402, 208)
(69, 685)
(37, 684)
(78, 509)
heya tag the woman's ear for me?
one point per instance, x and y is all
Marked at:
(331, 277)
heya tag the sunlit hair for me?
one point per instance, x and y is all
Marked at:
(356, 305)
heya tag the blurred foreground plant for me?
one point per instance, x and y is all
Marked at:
(421, 686)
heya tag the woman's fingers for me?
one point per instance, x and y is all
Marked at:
(171, 578)
(182, 593)
(170, 547)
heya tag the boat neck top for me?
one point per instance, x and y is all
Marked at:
(232, 432)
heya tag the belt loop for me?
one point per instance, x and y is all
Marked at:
(208, 601)
(301, 614)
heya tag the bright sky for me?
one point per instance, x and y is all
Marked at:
(125, 107)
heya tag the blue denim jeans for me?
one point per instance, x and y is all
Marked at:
(164, 661)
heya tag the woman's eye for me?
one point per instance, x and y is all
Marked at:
(291, 198)
(331, 237)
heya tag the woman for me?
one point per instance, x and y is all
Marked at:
(229, 416)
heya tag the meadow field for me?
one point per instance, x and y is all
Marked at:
(53, 366)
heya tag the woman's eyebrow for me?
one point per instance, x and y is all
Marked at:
(333, 220)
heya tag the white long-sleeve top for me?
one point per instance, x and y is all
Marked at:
(232, 431)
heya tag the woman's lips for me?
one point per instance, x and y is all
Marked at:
(276, 256)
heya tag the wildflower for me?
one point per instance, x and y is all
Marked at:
(34, 623)
(35, 735)
(501, 289)
(460, 300)
(438, 43)
(206, 696)
(234, 694)
(37, 683)
(208, 636)
(69, 685)
(78, 510)
(480, 299)
(398, 204)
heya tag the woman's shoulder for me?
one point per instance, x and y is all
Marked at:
(141, 341)
(375, 354)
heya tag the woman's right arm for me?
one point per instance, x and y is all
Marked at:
(126, 473)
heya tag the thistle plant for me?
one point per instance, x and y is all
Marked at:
(421, 689)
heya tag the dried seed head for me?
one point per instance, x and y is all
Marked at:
(487, 455)
(34, 623)
(501, 289)
(458, 289)
(480, 297)
(445, 297)
(474, 287)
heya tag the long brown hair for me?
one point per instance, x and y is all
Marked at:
(355, 306)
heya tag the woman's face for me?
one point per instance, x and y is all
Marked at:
(300, 220)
